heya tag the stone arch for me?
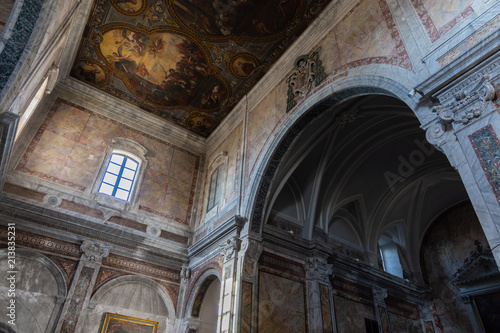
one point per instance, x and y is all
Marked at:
(319, 103)
(139, 280)
(56, 272)
(39, 305)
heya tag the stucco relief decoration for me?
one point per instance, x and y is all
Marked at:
(468, 104)
(379, 295)
(318, 269)
(231, 247)
(308, 74)
(94, 251)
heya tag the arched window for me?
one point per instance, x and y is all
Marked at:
(215, 191)
(390, 244)
(119, 177)
(118, 181)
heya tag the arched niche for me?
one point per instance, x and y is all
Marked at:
(40, 289)
(133, 296)
(202, 308)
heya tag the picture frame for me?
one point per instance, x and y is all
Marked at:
(116, 323)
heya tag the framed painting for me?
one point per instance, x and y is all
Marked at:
(115, 323)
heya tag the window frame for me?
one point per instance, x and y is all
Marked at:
(219, 164)
(129, 149)
(122, 168)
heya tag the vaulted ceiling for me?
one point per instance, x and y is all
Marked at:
(187, 61)
(360, 170)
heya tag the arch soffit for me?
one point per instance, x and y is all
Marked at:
(208, 274)
(140, 280)
(325, 99)
(47, 262)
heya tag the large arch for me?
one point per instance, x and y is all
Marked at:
(322, 101)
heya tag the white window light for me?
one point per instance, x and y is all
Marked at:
(119, 177)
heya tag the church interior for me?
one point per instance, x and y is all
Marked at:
(249, 166)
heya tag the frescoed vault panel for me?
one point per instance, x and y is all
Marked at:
(187, 61)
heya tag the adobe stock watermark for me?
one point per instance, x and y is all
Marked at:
(408, 165)
(11, 273)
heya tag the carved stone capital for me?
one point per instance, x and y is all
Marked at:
(379, 295)
(94, 251)
(231, 247)
(318, 269)
(185, 274)
(469, 103)
(253, 249)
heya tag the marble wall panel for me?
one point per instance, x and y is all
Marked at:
(281, 304)
(69, 147)
(350, 315)
(400, 324)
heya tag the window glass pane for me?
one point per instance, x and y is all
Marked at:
(110, 178)
(113, 168)
(121, 194)
(106, 189)
(117, 158)
(125, 184)
(129, 174)
(131, 164)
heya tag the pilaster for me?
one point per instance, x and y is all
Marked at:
(319, 295)
(379, 296)
(79, 293)
(465, 130)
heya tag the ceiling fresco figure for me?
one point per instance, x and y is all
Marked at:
(162, 68)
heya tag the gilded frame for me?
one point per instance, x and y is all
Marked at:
(115, 323)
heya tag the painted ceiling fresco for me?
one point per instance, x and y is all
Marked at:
(187, 61)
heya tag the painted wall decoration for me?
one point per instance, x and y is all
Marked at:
(308, 73)
(69, 147)
(164, 56)
(447, 244)
(439, 17)
(282, 306)
(487, 147)
(117, 323)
